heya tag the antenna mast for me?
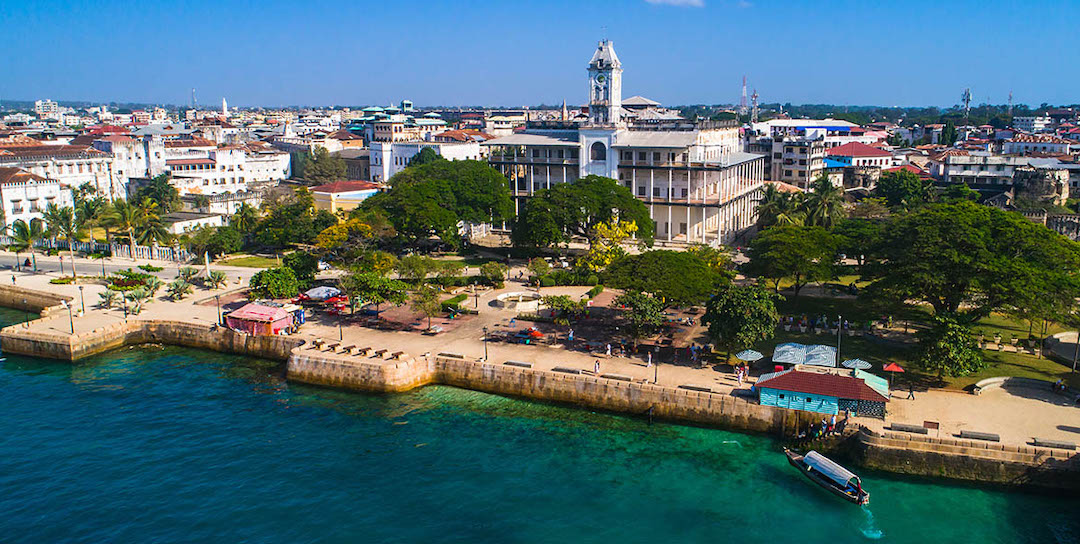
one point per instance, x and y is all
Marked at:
(754, 110)
(965, 97)
(742, 101)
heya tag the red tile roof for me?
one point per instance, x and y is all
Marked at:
(464, 135)
(190, 142)
(907, 168)
(856, 149)
(345, 187)
(1038, 139)
(11, 174)
(814, 383)
(50, 151)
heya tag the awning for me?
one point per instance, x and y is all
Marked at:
(829, 468)
(798, 354)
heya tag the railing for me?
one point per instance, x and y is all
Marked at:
(160, 253)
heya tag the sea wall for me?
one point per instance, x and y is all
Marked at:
(42, 303)
(968, 460)
(55, 345)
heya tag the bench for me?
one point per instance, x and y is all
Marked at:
(1006, 382)
(695, 387)
(348, 349)
(317, 343)
(333, 347)
(380, 353)
(976, 435)
(363, 351)
(397, 354)
(620, 377)
(567, 370)
(907, 428)
(1060, 444)
(518, 364)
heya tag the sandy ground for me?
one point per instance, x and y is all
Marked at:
(1017, 415)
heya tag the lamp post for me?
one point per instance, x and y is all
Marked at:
(217, 300)
(839, 333)
(82, 299)
(61, 265)
(1076, 350)
(485, 344)
(656, 372)
(71, 315)
(476, 296)
(26, 310)
(33, 258)
(103, 274)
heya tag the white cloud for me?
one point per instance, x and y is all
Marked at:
(680, 3)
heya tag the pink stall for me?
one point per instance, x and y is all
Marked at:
(259, 320)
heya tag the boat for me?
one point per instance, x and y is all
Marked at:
(830, 475)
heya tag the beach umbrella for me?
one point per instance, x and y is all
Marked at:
(856, 364)
(748, 355)
(322, 293)
(892, 368)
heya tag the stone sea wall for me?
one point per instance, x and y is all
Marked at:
(42, 303)
(968, 460)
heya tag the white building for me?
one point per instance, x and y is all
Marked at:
(70, 165)
(46, 108)
(24, 195)
(697, 184)
(181, 222)
(389, 158)
(1032, 123)
(978, 169)
(1026, 144)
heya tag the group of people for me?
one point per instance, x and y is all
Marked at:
(822, 321)
(742, 371)
(825, 428)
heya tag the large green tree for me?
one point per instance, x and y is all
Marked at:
(274, 283)
(903, 189)
(643, 313)
(160, 190)
(799, 253)
(321, 167)
(292, 220)
(431, 199)
(857, 238)
(568, 210)
(947, 347)
(741, 316)
(824, 205)
(367, 287)
(64, 223)
(677, 278)
(968, 260)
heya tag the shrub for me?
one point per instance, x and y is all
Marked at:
(303, 264)
(216, 279)
(153, 284)
(127, 280)
(108, 298)
(592, 280)
(454, 301)
(62, 281)
(493, 272)
(274, 283)
(591, 293)
(547, 281)
(187, 273)
(150, 268)
(178, 289)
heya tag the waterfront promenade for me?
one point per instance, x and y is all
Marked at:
(1016, 418)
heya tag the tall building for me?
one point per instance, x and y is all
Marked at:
(697, 183)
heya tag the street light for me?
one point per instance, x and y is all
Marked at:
(839, 332)
(476, 296)
(82, 300)
(217, 299)
(26, 309)
(71, 316)
(485, 344)
(61, 265)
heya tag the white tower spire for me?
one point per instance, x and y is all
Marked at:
(224, 107)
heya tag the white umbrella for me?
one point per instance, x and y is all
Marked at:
(748, 355)
(322, 293)
(855, 363)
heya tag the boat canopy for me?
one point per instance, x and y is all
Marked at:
(829, 468)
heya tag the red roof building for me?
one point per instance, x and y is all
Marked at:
(856, 149)
(820, 383)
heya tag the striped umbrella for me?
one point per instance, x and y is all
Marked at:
(748, 355)
(856, 363)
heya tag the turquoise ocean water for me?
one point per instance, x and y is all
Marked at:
(156, 444)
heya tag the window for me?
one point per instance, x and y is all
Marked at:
(641, 190)
(641, 156)
(787, 172)
(536, 153)
(598, 152)
(808, 399)
(656, 191)
(781, 396)
(656, 157)
(628, 155)
(684, 192)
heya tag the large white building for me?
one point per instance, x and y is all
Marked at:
(389, 158)
(24, 195)
(697, 183)
(1032, 123)
(70, 165)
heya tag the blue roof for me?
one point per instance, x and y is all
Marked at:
(833, 163)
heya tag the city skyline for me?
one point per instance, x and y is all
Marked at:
(487, 54)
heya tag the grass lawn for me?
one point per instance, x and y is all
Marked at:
(1015, 364)
(251, 261)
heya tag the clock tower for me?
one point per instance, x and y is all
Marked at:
(605, 85)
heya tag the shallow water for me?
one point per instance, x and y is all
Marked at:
(169, 444)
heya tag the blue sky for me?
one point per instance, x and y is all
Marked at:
(526, 52)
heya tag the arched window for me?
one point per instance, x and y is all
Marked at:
(598, 152)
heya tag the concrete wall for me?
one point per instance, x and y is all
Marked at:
(43, 303)
(23, 341)
(968, 460)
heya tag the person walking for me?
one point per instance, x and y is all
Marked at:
(648, 362)
(13, 279)
(596, 367)
(571, 335)
(609, 350)
(911, 391)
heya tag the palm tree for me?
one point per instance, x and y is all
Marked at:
(64, 223)
(150, 228)
(90, 212)
(769, 206)
(245, 218)
(124, 217)
(24, 235)
(825, 204)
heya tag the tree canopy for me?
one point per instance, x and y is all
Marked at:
(292, 220)
(160, 190)
(318, 167)
(968, 260)
(675, 277)
(903, 189)
(799, 253)
(741, 316)
(556, 215)
(431, 198)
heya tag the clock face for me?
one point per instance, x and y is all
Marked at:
(600, 78)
